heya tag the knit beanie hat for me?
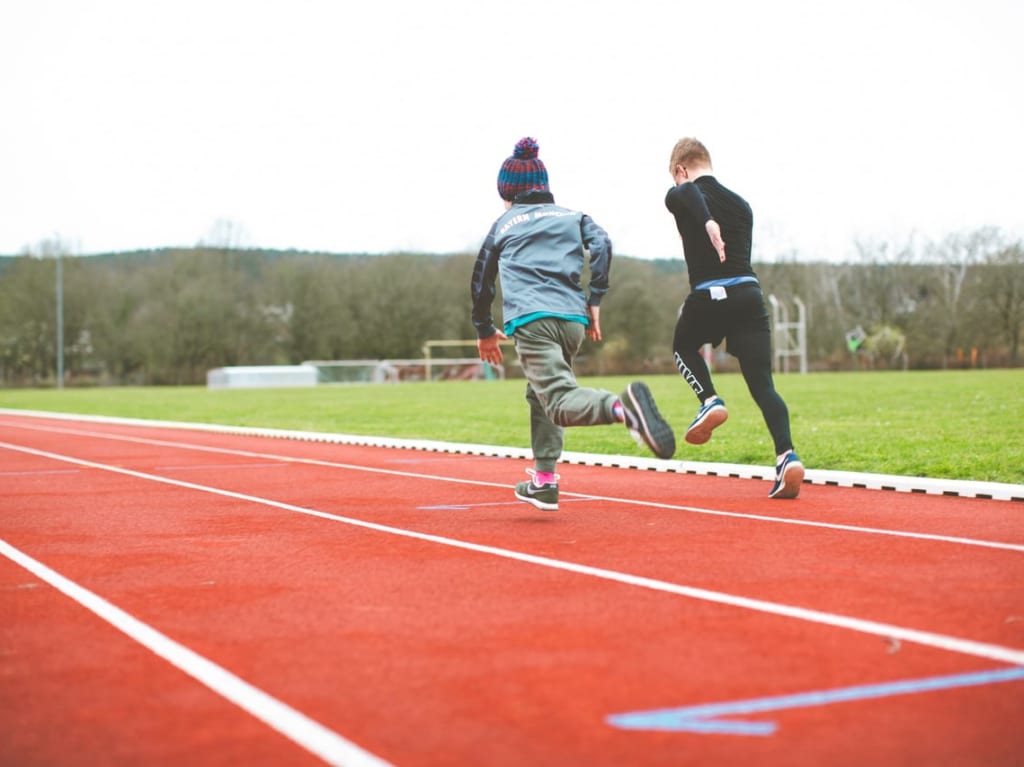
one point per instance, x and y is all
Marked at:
(522, 171)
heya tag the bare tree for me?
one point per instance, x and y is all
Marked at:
(883, 289)
(954, 258)
(225, 234)
(1002, 286)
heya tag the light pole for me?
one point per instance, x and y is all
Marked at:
(60, 322)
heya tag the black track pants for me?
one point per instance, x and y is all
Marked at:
(741, 320)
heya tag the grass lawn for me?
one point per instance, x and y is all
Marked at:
(939, 424)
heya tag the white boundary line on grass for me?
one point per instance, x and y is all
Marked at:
(949, 487)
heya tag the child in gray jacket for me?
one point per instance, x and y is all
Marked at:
(537, 249)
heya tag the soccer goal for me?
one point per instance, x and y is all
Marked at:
(489, 371)
(403, 370)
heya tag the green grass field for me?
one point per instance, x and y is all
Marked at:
(943, 424)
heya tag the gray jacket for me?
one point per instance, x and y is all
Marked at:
(538, 249)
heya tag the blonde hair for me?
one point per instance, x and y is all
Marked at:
(688, 151)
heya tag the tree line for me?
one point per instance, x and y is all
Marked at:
(166, 317)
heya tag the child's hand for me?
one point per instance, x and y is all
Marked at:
(594, 329)
(490, 348)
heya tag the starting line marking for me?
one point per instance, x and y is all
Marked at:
(705, 718)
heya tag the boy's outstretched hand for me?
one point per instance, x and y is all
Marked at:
(490, 348)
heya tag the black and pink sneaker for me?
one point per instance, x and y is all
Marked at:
(544, 497)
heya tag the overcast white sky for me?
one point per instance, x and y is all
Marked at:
(379, 126)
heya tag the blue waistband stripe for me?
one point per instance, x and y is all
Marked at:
(725, 282)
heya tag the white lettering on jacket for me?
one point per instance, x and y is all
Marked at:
(513, 221)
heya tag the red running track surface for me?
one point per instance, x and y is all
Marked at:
(175, 597)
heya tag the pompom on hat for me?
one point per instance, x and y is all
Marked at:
(523, 171)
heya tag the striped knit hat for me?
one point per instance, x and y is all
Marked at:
(522, 171)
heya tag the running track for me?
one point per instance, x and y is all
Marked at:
(173, 596)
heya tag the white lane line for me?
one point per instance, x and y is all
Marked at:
(962, 488)
(37, 473)
(885, 630)
(223, 466)
(297, 727)
(584, 496)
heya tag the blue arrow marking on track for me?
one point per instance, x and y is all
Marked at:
(705, 718)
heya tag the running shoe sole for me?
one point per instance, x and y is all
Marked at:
(792, 479)
(700, 430)
(654, 430)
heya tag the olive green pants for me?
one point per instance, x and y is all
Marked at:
(546, 348)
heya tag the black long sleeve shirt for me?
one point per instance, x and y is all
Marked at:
(693, 203)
